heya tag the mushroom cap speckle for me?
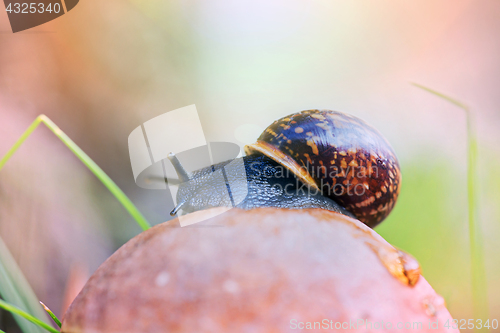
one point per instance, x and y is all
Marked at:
(262, 270)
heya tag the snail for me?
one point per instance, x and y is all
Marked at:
(265, 265)
(310, 159)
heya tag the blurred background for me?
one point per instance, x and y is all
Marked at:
(108, 66)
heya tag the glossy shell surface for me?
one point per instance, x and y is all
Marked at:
(347, 159)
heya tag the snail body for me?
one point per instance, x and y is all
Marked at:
(265, 183)
(345, 164)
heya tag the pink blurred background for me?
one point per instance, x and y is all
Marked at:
(107, 66)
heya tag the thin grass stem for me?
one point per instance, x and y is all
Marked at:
(20, 141)
(87, 161)
(51, 314)
(15, 289)
(479, 288)
(15, 310)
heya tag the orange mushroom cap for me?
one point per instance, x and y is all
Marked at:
(262, 270)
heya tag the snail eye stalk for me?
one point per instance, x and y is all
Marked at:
(177, 208)
(183, 174)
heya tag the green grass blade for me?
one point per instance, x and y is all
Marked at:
(15, 289)
(479, 287)
(13, 285)
(52, 315)
(15, 310)
(443, 96)
(89, 163)
(19, 142)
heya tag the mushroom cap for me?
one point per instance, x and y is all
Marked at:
(262, 270)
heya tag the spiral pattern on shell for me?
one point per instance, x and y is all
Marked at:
(339, 154)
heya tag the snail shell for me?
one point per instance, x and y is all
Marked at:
(339, 154)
